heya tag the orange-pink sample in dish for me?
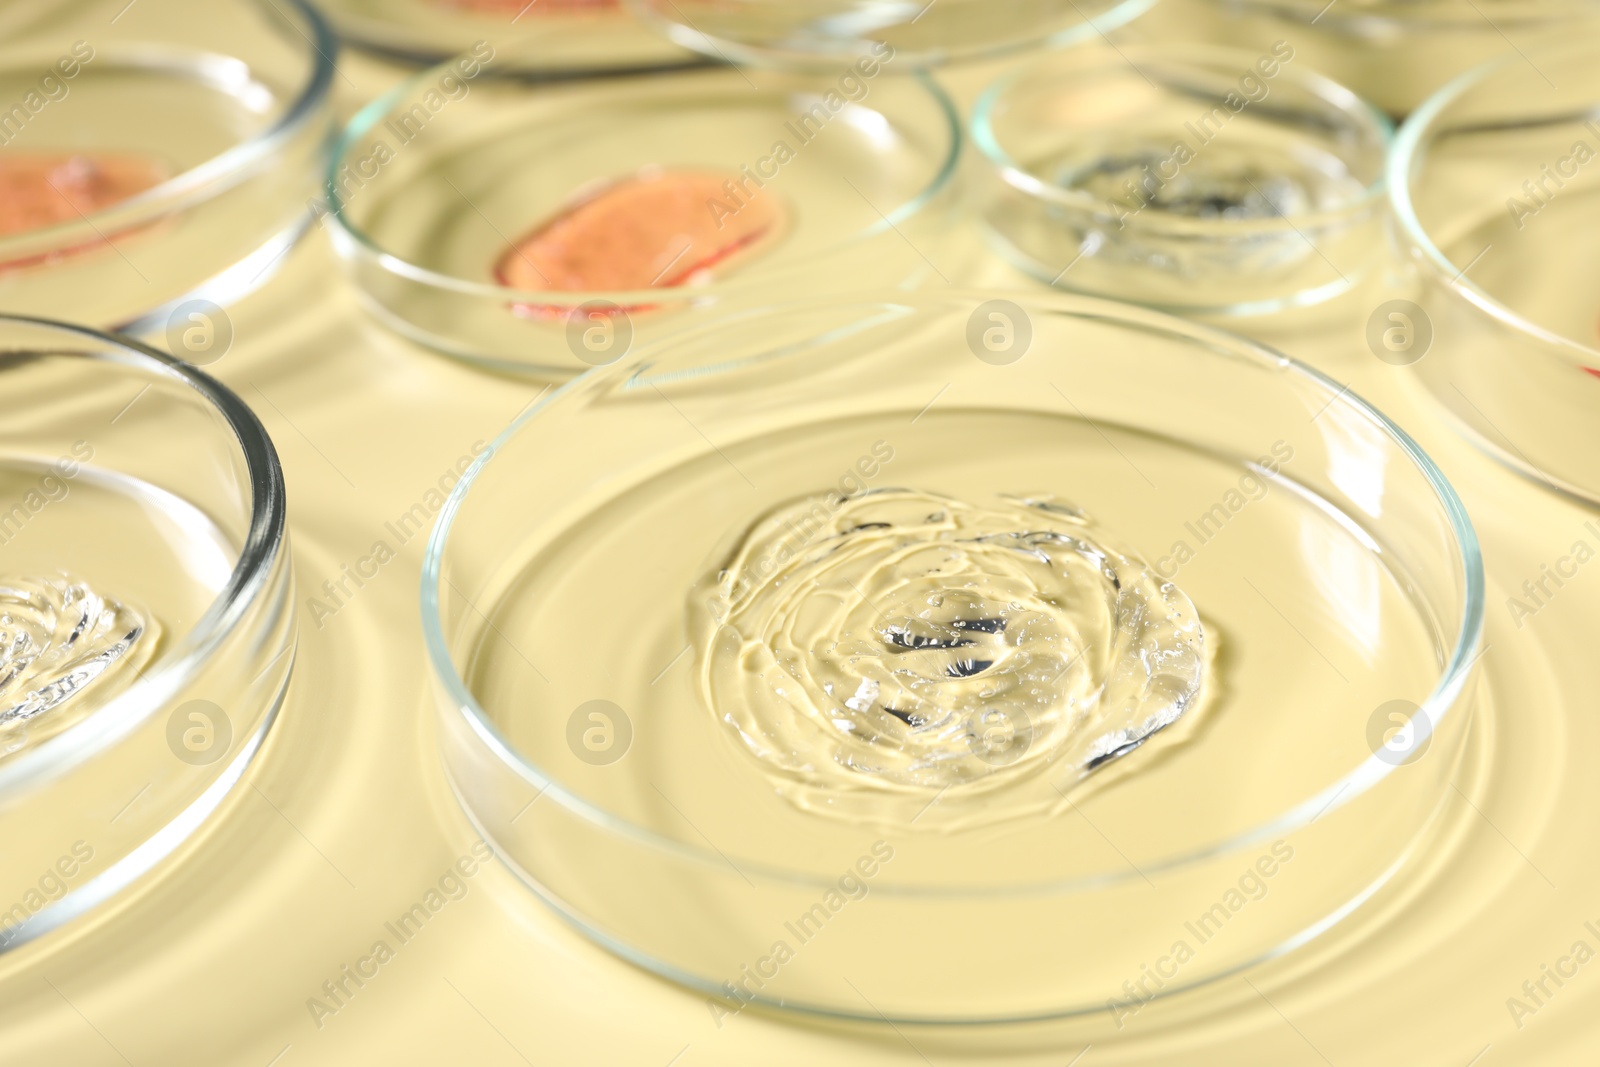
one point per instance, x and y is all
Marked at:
(658, 229)
(40, 190)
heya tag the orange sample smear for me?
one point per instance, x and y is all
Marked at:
(659, 229)
(39, 190)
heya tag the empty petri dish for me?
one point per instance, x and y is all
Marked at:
(1495, 189)
(568, 37)
(1395, 53)
(825, 34)
(145, 610)
(952, 657)
(157, 158)
(1200, 180)
(548, 228)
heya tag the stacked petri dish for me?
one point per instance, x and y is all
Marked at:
(150, 159)
(146, 622)
(953, 658)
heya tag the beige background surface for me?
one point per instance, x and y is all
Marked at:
(346, 820)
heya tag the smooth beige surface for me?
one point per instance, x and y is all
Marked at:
(346, 821)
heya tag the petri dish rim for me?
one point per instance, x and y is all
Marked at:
(264, 544)
(1203, 58)
(1366, 774)
(729, 49)
(197, 183)
(1414, 139)
(372, 113)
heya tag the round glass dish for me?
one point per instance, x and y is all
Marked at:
(134, 476)
(1496, 193)
(1334, 570)
(157, 158)
(569, 37)
(829, 34)
(1200, 180)
(439, 187)
(1393, 52)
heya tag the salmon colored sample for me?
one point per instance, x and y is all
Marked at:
(39, 190)
(658, 229)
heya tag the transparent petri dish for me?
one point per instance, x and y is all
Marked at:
(157, 158)
(1494, 191)
(830, 34)
(546, 229)
(1395, 53)
(564, 38)
(1199, 180)
(145, 602)
(606, 726)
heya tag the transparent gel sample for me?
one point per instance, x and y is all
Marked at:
(904, 646)
(1237, 180)
(58, 639)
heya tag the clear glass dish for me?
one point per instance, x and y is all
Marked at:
(863, 195)
(1333, 568)
(1496, 195)
(175, 157)
(569, 37)
(133, 475)
(1200, 180)
(1394, 53)
(830, 34)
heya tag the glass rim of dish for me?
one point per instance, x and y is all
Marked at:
(1117, 14)
(1411, 145)
(1207, 340)
(196, 184)
(1206, 58)
(1438, 13)
(265, 542)
(369, 116)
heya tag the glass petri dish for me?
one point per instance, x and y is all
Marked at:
(568, 37)
(1494, 192)
(1200, 180)
(829, 34)
(1395, 53)
(1332, 567)
(157, 159)
(145, 598)
(430, 214)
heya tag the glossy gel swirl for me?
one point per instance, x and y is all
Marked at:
(885, 651)
(57, 638)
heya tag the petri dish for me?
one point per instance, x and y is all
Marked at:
(602, 730)
(1393, 52)
(568, 37)
(151, 160)
(545, 229)
(1200, 180)
(146, 603)
(1493, 189)
(830, 34)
